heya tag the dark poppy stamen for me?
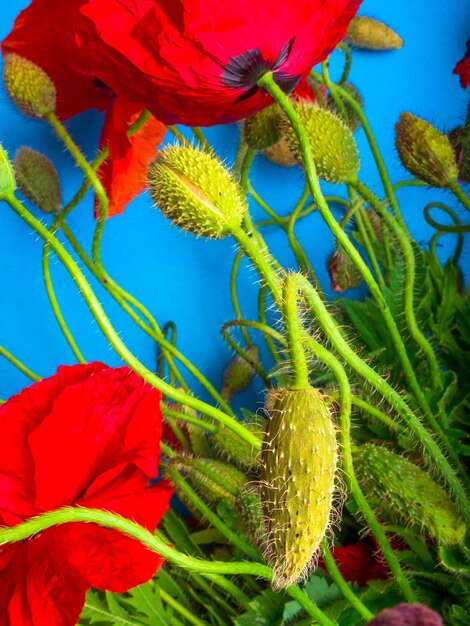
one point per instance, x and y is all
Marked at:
(244, 71)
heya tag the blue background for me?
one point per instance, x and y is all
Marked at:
(185, 279)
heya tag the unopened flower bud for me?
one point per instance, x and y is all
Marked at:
(214, 480)
(297, 480)
(249, 508)
(407, 615)
(460, 141)
(195, 191)
(28, 86)
(37, 179)
(261, 130)
(239, 373)
(365, 32)
(7, 175)
(376, 223)
(424, 151)
(353, 120)
(343, 273)
(231, 446)
(333, 146)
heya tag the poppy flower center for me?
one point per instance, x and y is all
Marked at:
(245, 69)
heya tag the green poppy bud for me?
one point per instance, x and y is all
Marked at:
(343, 273)
(7, 175)
(261, 130)
(365, 32)
(196, 192)
(425, 152)
(38, 180)
(28, 86)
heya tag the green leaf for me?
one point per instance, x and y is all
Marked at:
(265, 610)
(146, 602)
(96, 612)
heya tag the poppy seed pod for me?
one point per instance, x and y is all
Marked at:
(407, 615)
(343, 273)
(37, 179)
(28, 86)
(424, 151)
(261, 130)
(297, 480)
(365, 32)
(332, 143)
(195, 191)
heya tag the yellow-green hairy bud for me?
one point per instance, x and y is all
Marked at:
(331, 140)
(297, 480)
(37, 179)
(239, 373)
(261, 130)
(196, 192)
(214, 480)
(249, 508)
(405, 494)
(230, 445)
(425, 152)
(28, 86)
(365, 32)
(7, 175)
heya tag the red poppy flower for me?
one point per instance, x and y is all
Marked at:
(463, 68)
(47, 33)
(197, 62)
(359, 563)
(88, 436)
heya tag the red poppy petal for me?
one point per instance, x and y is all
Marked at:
(89, 429)
(123, 174)
(106, 558)
(46, 33)
(39, 588)
(463, 68)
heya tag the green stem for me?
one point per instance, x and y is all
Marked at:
(56, 308)
(284, 102)
(458, 227)
(460, 194)
(408, 294)
(189, 419)
(113, 337)
(294, 330)
(201, 139)
(234, 295)
(19, 365)
(66, 515)
(342, 585)
(309, 606)
(369, 249)
(263, 321)
(179, 608)
(244, 354)
(229, 587)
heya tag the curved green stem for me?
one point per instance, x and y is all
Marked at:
(190, 419)
(56, 308)
(458, 227)
(19, 365)
(460, 194)
(233, 292)
(244, 354)
(262, 318)
(41, 523)
(310, 607)
(408, 294)
(112, 336)
(342, 585)
(279, 96)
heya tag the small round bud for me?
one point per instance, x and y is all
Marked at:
(28, 86)
(365, 32)
(239, 373)
(333, 146)
(424, 151)
(343, 273)
(195, 191)
(261, 130)
(7, 175)
(460, 141)
(407, 615)
(353, 120)
(38, 179)
(376, 223)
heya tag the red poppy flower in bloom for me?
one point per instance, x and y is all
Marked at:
(47, 33)
(197, 62)
(88, 436)
(463, 68)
